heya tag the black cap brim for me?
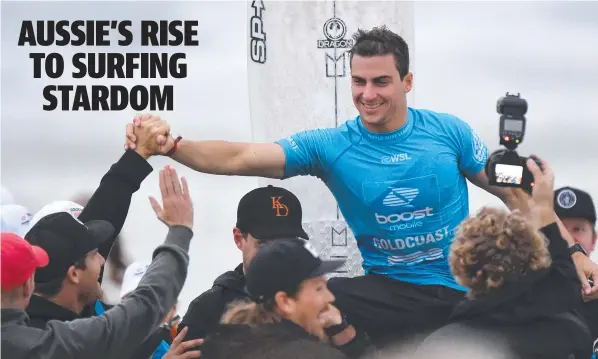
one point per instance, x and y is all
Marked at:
(326, 267)
(99, 232)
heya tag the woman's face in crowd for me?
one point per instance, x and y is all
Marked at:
(307, 305)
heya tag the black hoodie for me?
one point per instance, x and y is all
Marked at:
(205, 311)
(537, 315)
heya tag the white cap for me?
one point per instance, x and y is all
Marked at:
(6, 197)
(15, 219)
(132, 277)
(70, 207)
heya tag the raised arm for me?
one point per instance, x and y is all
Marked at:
(309, 152)
(213, 157)
(112, 199)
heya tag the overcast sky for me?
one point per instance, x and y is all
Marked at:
(466, 55)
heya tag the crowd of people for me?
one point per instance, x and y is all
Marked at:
(514, 283)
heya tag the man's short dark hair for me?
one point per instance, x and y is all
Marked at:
(53, 287)
(381, 41)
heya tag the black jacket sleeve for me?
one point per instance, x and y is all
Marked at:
(559, 252)
(111, 201)
(359, 347)
(203, 315)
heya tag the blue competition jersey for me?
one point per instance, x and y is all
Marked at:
(402, 193)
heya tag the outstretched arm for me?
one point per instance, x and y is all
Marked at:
(213, 157)
(308, 152)
(232, 158)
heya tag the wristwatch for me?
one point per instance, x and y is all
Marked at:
(336, 329)
(577, 248)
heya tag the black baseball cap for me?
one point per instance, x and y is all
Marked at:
(282, 265)
(270, 212)
(66, 240)
(572, 202)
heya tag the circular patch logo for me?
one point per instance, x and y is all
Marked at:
(334, 29)
(566, 199)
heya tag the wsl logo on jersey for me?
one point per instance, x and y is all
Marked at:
(396, 158)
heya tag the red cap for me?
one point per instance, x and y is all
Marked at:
(19, 260)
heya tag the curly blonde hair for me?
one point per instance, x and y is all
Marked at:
(495, 246)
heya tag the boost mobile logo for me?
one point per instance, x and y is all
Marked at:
(335, 30)
(257, 44)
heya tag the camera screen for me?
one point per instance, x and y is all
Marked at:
(509, 174)
(513, 125)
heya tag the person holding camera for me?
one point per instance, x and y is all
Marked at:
(506, 163)
(523, 290)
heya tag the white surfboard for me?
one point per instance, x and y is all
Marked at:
(299, 78)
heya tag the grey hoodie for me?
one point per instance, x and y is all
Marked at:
(120, 330)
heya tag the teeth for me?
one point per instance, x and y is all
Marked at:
(371, 107)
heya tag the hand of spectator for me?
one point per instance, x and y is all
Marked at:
(538, 206)
(543, 191)
(586, 269)
(148, 135)
(332, 316)
(178, 207)
(179, 349)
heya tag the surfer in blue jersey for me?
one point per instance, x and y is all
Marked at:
(399, 175)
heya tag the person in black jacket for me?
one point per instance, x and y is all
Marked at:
(263, 214)
(110, 202)
(524, 296)
(289, 299)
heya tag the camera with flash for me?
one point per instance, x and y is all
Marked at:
(505, 168)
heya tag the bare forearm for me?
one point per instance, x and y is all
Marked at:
(214, 157)
(232, 158)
